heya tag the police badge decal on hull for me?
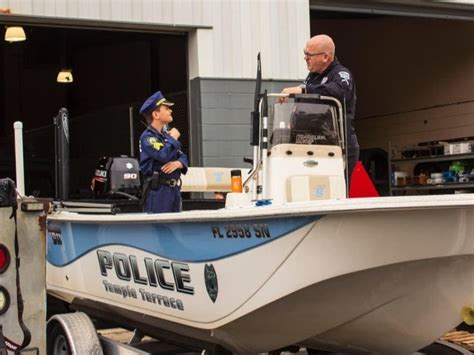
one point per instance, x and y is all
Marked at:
(210, 277)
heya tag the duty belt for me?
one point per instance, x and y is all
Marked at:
(170, 182)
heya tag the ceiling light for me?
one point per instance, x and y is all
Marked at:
(15, 34)
(65, 76)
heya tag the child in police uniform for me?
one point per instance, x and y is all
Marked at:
(161, 160)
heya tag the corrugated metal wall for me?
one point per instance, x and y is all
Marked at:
(240, 29)
(190, 12)
(223, 121)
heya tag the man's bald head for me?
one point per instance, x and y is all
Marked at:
(319, 53)
(322, 43)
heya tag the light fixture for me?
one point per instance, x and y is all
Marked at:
(15, 34)
(4, 258)
(4, 300)
(65, 76)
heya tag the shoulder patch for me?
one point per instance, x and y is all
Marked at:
(345, 77)
(155, 143)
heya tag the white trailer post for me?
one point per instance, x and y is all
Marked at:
(19, 164)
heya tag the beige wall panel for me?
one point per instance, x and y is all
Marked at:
(72, 9)
(88, 9)
(14, 5)
(276, 44)
(241, 29)
(119, 11)
(296, 61)
(265, 43)
(168, 14)
(206, 12)
(49, 7)
(197, 11)
(183, 11)
(61, 9)
(449, 122)
(38, 7)
(26, 5)
(147, 11)
(247, 31)
(218, 55)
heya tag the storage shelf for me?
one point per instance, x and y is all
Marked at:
(447, 185)
(435, 158)
(430, 188)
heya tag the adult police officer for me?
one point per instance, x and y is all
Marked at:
(329, 78)
(161, 158)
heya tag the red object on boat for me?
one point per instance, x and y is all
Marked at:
(361, 184)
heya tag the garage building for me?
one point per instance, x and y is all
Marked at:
(412, 62)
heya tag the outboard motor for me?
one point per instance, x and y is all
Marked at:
(117, 178)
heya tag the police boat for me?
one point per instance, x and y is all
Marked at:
(289, 260)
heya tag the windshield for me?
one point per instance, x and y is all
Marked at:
(303, 123)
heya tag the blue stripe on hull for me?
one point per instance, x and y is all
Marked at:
(189, 242)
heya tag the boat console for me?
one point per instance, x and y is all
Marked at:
(300, 156)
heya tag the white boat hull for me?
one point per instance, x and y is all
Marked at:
(386, 274)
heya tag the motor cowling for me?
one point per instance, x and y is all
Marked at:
(117, 177)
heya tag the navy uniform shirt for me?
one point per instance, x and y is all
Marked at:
(157, 149)
(336, 81)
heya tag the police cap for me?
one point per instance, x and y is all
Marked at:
(152, 102)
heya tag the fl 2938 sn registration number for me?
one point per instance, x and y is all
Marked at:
(235, 231)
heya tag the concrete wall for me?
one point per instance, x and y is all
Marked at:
(223, 119)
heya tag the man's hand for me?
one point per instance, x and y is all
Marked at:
(173, 132)
(287, 91)
(171, 166)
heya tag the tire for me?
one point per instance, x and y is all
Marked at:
(57, 341)
(72, 333)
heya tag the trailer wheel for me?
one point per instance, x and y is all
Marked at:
(57, 341)
(72, 333)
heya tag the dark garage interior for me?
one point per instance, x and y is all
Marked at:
(112, 71)
(413, 77)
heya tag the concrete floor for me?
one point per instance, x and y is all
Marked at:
(451, 343)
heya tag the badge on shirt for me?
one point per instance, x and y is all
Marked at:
(325, 79)
(155, 143)
(345, 77)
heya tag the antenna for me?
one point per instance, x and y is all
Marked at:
(255, 115)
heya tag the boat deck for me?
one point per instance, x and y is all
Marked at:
(307, 208)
